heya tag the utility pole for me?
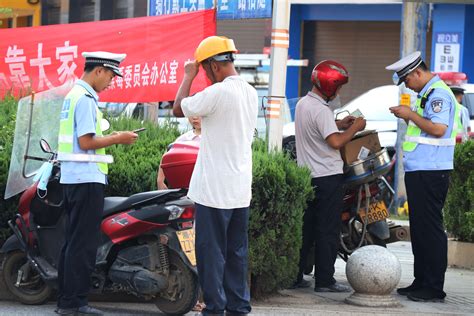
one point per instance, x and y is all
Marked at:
(280, 42)
(413, 38)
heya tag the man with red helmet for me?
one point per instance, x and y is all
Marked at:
(318, 140)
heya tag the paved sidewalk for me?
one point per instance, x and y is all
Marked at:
(459, 287)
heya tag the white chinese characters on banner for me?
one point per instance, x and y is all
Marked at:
(15, 61)
(66, 54)
(142, 76)
(250, 5)
(162, 7)
(224, 5)
(137, 75)
(447, 52)
(41, 62)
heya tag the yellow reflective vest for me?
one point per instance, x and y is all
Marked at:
(413, 136)
(66, 133)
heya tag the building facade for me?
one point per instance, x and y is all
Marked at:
(364, 35)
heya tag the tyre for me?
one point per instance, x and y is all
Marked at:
(33, 291)
(183, 289)
(289, 146)
(374, 240)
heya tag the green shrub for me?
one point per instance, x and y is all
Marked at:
(8, 207)
(280, 191)
(135, 166)
(459, 208)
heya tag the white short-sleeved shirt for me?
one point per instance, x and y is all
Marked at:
(314, 122)
(222, 176)
(188, 136)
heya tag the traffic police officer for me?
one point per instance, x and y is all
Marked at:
(462, 122)
(428, 152)
(81, 151)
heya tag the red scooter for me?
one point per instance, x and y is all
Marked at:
(146, 248)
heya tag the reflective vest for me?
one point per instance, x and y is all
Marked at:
(413, 138)
(66, 133)
(457, 119)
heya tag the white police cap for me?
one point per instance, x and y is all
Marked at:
(105, 59)
(405, 65)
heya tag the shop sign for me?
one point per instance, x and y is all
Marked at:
(226, 9)
(447, 52)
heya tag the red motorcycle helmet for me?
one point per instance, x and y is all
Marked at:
(329, 75)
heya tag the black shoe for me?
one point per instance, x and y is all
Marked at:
(336, 287)
(427, 295)
(65, 311)
(300, 284)
(407, 290)
(88, 310)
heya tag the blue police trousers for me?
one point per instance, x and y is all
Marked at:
(221, 253)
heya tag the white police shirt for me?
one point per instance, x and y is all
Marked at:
(222, 176)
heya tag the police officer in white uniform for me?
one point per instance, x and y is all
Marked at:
(428, 152)
(84, 175)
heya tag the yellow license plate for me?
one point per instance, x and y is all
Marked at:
(377, 212)
(186, 239)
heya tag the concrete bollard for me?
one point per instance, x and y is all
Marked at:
(373, 272)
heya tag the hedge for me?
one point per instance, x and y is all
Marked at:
(280, 192)
(7, 129)
(459, 207)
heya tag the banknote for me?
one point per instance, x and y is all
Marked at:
(357, 113)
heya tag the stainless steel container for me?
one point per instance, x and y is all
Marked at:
(363, 171)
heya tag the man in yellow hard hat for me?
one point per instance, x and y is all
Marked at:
(221, 182)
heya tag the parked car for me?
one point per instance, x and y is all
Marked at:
(468, 101)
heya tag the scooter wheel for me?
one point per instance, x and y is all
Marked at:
(33, 291)
(183, 286)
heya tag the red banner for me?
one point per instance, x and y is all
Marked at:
(44, 57)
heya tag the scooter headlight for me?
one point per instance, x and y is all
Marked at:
(175, 211)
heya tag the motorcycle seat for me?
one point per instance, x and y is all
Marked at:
(114, 204)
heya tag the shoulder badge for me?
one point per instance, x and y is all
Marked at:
(89, 95)
(437, 105)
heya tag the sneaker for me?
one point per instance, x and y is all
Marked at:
(300, 284)
(407, 290)
(336, 287)
(88, 310)
(427, 295)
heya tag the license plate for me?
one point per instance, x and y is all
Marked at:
(186, 239)
(377, 212)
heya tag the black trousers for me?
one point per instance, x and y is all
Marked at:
(84, 205)
(322, 227)
(426, 193)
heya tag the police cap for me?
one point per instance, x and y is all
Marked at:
(405, 65)
(105, 59)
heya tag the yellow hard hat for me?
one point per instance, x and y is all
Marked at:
(212, 46)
